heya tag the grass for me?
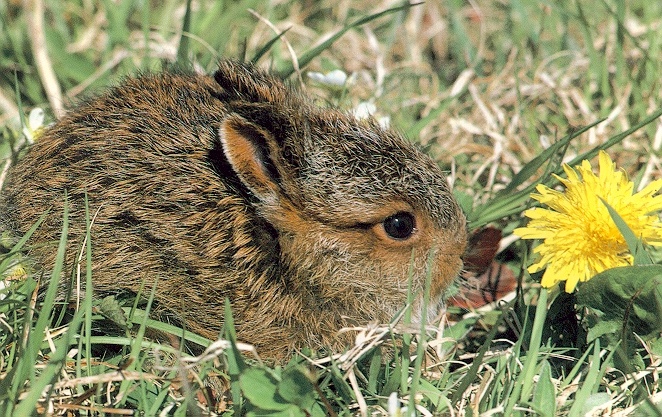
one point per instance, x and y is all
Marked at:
(498, 92)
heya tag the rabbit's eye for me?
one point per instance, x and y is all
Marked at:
(400, 225)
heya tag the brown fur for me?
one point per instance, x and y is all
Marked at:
(235, 186)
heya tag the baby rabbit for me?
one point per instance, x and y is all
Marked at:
(234, 185)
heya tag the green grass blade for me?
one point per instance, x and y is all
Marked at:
(416, 128)
(311, 54)
(52, 289)
(25, 369)
(183, 50)
(529, 170)
(508, 201)
(374, 371)
(617, 138)
(236, 364)
(139, 315)
(472, 374)
(590, 382)
(267, 46)
(87, 302)
(402, 365)
(53, 368)
(523, 385)
(18, 246)
(136, 347)
(532, 355)
(422, 339)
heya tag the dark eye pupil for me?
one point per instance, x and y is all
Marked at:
(400, 225)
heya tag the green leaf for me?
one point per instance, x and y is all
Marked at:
(53, 368)
(259, 387)
(297, 387)
(458, 331)
(628, 298)
(472, 373)
(465, 200)
(595, 400)
(375, 379)
(435, 395)
(524, 382)
(393, 380)
(544, 393)
(656, 347)
(290, 411)
(601, 328)
(111, 309)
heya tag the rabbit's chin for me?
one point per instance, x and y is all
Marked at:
(430, 314)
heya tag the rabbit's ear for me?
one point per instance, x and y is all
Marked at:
(248, 148)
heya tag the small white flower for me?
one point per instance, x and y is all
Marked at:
(367, 109)
(384, 122)
(364, 110)
(34, 124)
(394, 409)
(336, 78)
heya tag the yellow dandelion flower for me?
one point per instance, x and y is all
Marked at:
(580, 239)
